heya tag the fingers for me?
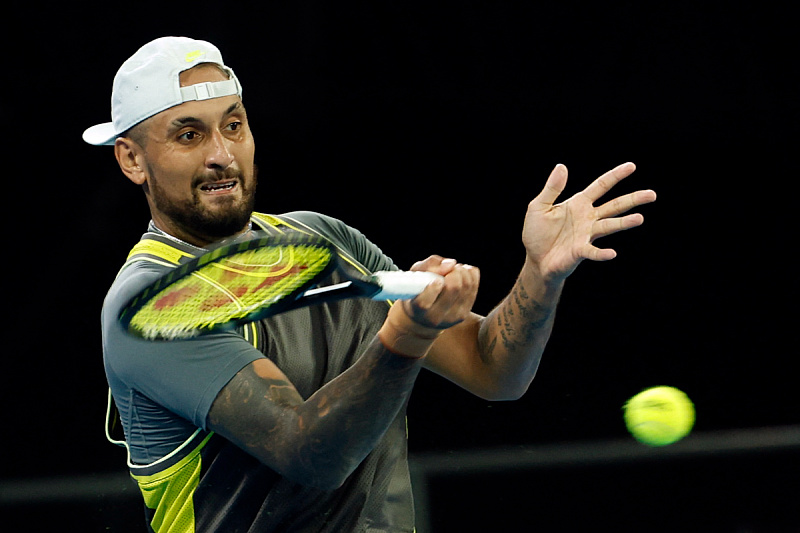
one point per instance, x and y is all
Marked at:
(599, 254)
(605, 221)
(625, 203)
(425, 300)
(557, 181)
(606, 182)
(447, 301)
(458, 286)
(602, 228)
(460, 289)
(436, 264)
(608, 226)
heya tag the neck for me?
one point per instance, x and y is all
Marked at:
(197, 242)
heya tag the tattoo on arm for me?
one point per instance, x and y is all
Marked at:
(516, 324)
(239, 402)
(282, 393)
(319, 440)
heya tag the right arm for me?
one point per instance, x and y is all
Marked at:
(321, 440)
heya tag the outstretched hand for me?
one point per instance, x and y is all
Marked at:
(558, 237)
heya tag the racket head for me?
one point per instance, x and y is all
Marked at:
(228, 286)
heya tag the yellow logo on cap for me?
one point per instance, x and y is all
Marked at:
(191, 56)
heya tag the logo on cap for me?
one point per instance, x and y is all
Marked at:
(191, 56)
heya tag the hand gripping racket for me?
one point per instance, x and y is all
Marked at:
(251, 280)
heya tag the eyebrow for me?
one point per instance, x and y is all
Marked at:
(183, 121)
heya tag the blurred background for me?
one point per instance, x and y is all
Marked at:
(430, 126)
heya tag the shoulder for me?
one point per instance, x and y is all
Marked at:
(325, 225)
(348, 239)
(134, 277)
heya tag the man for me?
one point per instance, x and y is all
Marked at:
(297, 422)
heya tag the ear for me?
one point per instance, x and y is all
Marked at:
(130, 157)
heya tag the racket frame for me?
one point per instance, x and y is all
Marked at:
(287, 302)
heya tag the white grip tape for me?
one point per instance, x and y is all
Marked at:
(402, 285)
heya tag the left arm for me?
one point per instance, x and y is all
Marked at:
(496, 357)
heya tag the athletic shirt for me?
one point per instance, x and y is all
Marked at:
(193, 480)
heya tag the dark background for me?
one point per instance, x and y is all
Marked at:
(430, 126)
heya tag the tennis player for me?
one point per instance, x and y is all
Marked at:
(296, 423)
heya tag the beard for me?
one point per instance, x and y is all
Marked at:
(196, 218)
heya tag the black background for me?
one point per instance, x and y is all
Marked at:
(430, 126)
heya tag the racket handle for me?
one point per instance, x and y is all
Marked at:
(397, 285)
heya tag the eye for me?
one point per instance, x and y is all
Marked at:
(188, 136)
(234, 126)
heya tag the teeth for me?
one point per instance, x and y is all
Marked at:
(217, 186)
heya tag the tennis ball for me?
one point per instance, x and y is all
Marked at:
(659, 416)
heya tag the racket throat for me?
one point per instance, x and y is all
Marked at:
(338, 291)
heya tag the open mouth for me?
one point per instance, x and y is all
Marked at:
(218, 186)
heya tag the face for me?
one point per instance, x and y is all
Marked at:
(196, 163)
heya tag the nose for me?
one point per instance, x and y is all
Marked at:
(218, 156)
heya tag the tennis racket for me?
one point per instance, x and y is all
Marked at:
(247, 281)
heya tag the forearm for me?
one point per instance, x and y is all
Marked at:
(340, 424)
(321, 440)
(512, 338)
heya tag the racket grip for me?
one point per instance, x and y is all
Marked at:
(397, 285)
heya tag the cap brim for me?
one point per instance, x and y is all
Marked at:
(101, 134)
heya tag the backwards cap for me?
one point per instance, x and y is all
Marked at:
(149, 82)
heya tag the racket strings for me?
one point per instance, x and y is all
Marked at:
(230, 289)
(256, 266)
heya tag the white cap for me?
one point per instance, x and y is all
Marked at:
(149, 82)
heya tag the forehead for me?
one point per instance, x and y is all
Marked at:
(207, 111)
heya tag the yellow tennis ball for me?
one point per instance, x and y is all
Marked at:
(659, 416)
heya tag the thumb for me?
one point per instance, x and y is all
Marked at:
(553, 188)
